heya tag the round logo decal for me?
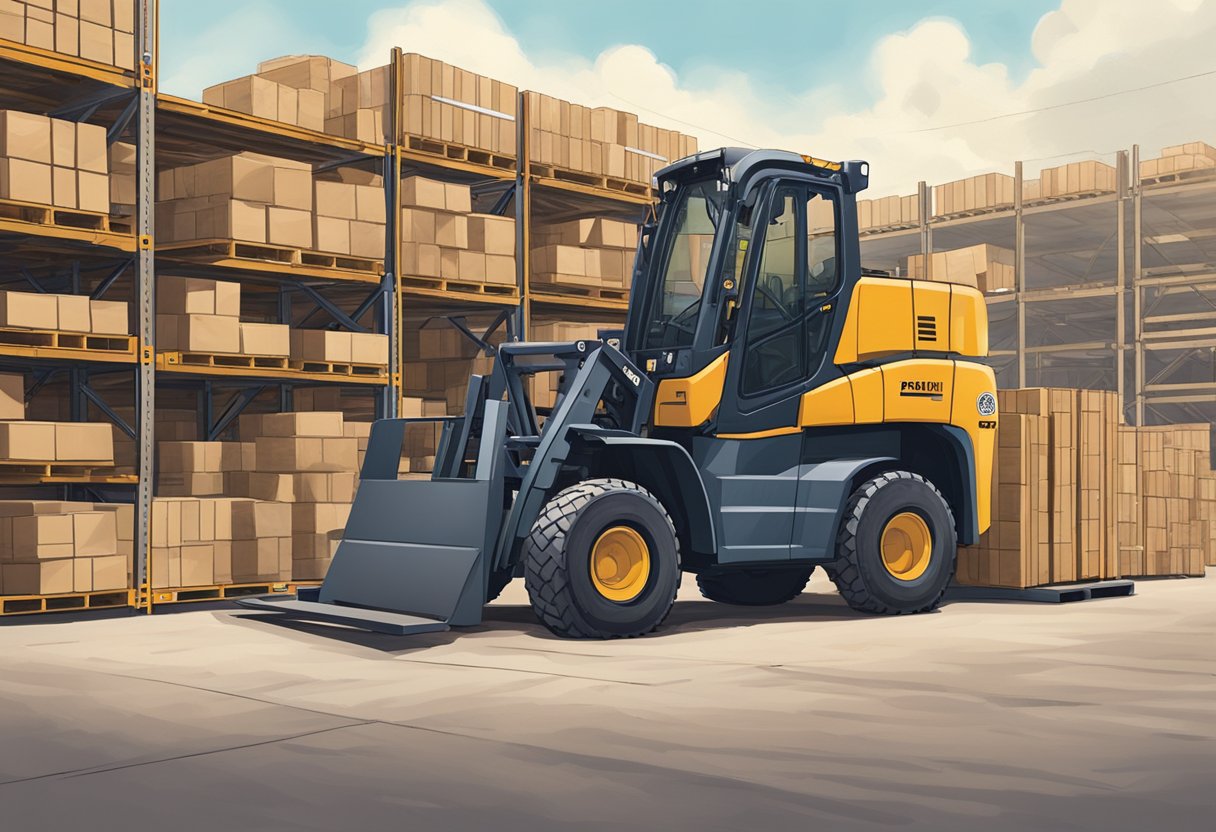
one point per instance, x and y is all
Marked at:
(986, 404)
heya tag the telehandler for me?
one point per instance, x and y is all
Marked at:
(772, 408)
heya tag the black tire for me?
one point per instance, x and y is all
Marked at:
(858, 570)
(557, 570)
(753, 587)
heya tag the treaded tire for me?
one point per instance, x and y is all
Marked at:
(858, 571)
(753, 587)
(557, 570)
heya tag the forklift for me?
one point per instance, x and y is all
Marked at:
(769, 408)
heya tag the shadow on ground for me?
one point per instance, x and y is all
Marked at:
(686, 617)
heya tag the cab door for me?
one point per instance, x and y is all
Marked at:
(785, 323)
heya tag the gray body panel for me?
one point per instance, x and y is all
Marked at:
(769, 506)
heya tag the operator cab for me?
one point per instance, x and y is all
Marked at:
(697, 262)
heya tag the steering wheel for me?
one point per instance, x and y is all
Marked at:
(785, 313)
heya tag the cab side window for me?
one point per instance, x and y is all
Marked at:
(790, 316)
(773, 356)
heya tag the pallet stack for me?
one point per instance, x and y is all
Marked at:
(600, 141)
(77, 314)
(985, 267)
(53, 162)
(446, 359)
(584, 256)
(1180, 159)
(210, 541)
(545, 386)
(448, 104)
(443, 239)
(986, 192)
(247, 197)
(1078, 497)
(350, 214)
(49, 547)
(96, 30)
(27, 444)
(307, 462)
(888, 212)
(1077, 178)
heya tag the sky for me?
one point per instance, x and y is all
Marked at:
(929, 90)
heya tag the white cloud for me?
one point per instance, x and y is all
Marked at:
(925, 77)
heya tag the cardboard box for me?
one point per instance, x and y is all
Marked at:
(256, 519)
(289, 227)
(306, 454)
(491, 234)
(74, 313)
(25, 136)
(367, 239)
(265, 339)
(94, 533)
(27, 441)
(320, 345)
(423, 193)
(189, 457)
(12, 396)
(41, 536)
(48, 577)
(368, 348)
(264, 559)
(92, 151)
(197, 296)
(452, 230)
(312, 518)
(25, 181)
(418, 225)
(84, 442)
(332, 235)
(198, 333)
(108, 317)
(291, 425)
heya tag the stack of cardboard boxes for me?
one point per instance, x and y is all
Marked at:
(218, 540)
(260, 96)
(442, 238)
(40, 442)
(1077, 496)
(48, 547)
(985, 267)
(96, 30)
(445, 103)
(199, 315)
(65, 313)
(600, 141)
(989, 191)
(247, 197)
(325, 347)
(445, 360)
(1076, 178)
(350, 214)
(888, 212)
(307, 462)
(596, 253)
(1180, 158)
(49, 161)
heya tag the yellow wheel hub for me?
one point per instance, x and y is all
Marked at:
(907, 546)
(620, 564)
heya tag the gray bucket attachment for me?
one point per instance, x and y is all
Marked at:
(415, 553)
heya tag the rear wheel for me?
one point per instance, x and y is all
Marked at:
(602, 561)
(753, 587)
(896, 549)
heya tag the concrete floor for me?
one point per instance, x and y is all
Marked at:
(1100, 715)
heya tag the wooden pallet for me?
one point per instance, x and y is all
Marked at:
(1048, 200)
(62, 340)
(594, 180)
(221, 592)
(460, 152)
(466, 286)
(23, 468)
(32, 604)
(1178, 177)
(339, 368)
(251, 362)
(969, 212)
(213, 251)
(49, 215)
(579, 290)
(879, 229)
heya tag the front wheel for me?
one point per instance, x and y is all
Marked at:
(896, 549)
(602, 561)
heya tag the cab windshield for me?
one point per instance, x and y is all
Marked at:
(694, 218)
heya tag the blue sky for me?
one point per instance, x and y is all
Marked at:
(784, 44)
